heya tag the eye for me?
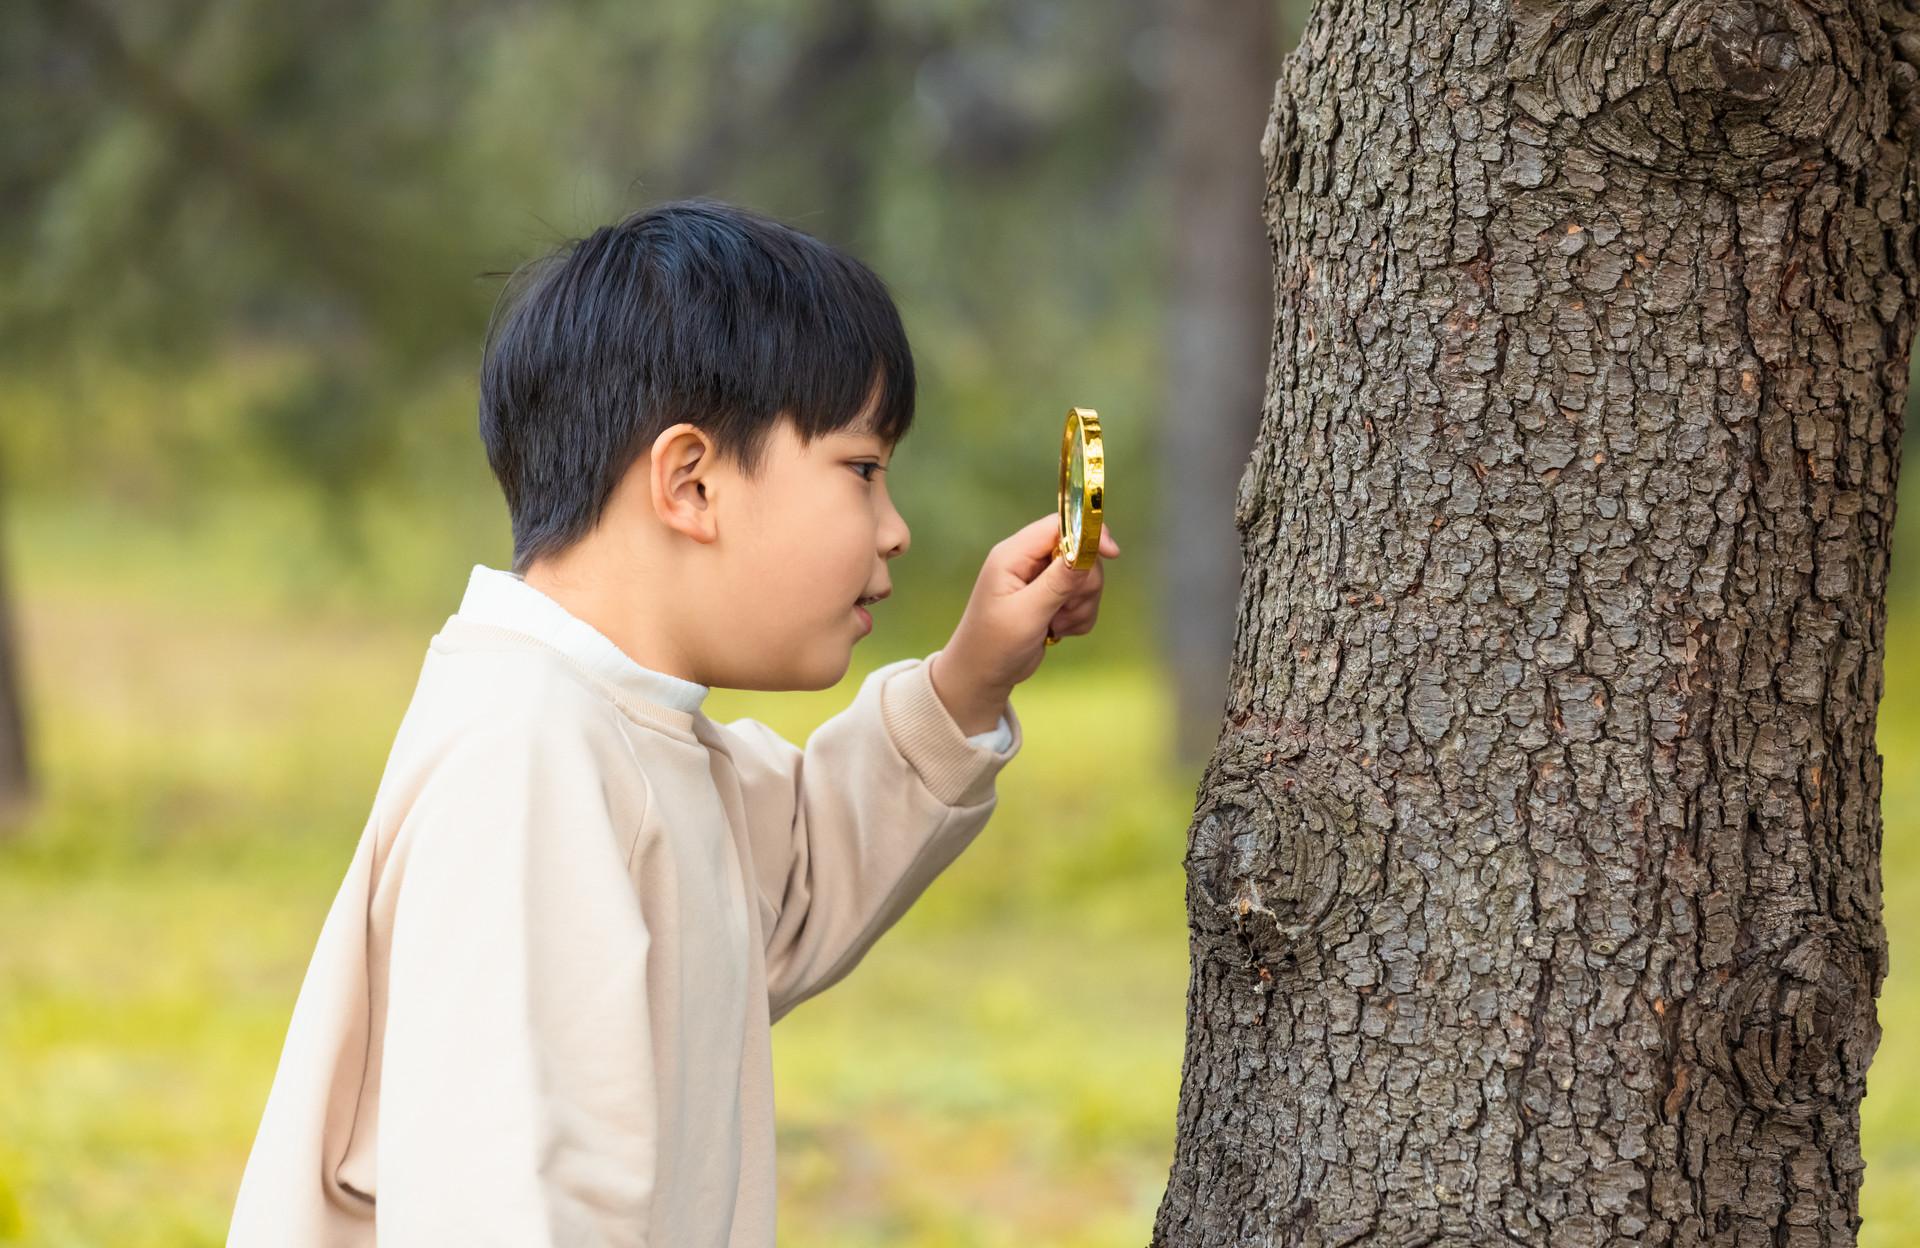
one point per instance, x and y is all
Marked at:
(875, 467)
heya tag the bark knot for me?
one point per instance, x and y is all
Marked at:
(1726, 93)
(1790, 1030)
(1287, 842)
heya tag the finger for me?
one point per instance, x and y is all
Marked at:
(1109, 548)
(1075, 617)
(1030, 547)
(1087, 588)
(1072, 626)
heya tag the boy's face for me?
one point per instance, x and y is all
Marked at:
(805, 539)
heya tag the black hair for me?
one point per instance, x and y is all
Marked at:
(693, 310)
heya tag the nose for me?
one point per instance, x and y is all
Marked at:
(895, 537)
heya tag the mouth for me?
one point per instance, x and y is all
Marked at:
(860, 606)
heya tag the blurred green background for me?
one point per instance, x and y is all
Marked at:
(248, 251)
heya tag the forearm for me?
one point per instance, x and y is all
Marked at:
(855, 825)
(974, 704)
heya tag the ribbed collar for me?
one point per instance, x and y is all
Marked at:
(505, 599)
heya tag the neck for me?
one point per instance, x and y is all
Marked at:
(608, 603)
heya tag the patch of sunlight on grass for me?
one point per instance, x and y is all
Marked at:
(140, 1017)
(1890, 1115)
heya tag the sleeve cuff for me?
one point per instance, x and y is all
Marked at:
(957, 770)
(997, 738)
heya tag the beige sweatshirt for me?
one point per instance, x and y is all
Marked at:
(539, 1009)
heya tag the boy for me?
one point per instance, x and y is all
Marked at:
(538, 1011)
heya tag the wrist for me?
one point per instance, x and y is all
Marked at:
(974, 706)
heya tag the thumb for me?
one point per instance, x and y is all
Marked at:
(1057, 582)
(1026, 552)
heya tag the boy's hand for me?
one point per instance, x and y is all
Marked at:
(1023, 590)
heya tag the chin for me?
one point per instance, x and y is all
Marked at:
(833, 677)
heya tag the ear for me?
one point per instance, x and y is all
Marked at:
(679, 478)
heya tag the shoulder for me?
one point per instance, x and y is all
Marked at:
(519, 727)
(507, 666)
(509, 678)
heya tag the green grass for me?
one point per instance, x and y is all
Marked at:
(1003, 1066)
(1002, 1069)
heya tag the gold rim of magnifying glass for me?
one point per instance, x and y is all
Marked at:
(1093, 484)
(1093, 481)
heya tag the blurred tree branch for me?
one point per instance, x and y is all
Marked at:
(318, 224)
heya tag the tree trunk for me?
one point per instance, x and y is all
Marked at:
(16, 788)
(1534, 884)
(1219, 87)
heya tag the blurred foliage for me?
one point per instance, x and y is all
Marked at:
(247, 242)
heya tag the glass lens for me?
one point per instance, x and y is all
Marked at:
(1076, 490)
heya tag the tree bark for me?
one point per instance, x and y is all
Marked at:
(1534, 884)
(1219, 312)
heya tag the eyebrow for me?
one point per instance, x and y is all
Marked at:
(864, 434)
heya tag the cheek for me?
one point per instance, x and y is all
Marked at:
(804, 560)
(811, 547)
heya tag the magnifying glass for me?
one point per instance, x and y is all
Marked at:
(1083, 488)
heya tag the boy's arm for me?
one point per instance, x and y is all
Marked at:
(849, 831)
(517, 1091)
